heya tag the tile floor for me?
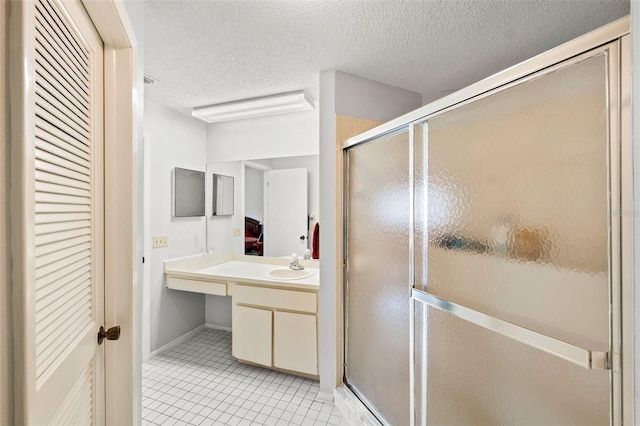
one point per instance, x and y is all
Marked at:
(199, 383)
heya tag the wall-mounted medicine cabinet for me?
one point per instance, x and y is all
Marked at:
(188, 192)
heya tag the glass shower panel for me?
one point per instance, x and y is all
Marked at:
(478, 377)
(512, 204)
(377, 282)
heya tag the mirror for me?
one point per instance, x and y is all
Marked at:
(188, 193)
(222, 195)
(286, 208)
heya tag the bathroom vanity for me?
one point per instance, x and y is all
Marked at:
(274, 309)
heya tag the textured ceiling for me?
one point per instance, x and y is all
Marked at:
(206, 52)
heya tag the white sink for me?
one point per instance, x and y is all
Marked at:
(288, 274)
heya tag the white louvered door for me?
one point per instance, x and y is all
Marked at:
(65, 295)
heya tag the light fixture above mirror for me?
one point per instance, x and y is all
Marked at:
(256, 107)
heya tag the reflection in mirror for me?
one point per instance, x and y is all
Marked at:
(286, 208)
(222, 195)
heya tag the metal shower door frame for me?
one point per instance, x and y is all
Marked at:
(614, 40)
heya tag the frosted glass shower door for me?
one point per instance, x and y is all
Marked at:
(512, 290)
(378, 287)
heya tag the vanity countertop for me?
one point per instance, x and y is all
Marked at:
(240, 269)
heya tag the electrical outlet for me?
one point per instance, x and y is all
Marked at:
(160, 241)
(236, 232)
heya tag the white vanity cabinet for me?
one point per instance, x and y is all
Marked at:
(276, 328)
(295, 342)
(252, 339)
(274, 322)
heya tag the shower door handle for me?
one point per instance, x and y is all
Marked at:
(591, 360)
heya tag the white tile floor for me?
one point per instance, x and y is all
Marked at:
(199, 383)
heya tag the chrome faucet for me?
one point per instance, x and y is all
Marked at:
(294, 263)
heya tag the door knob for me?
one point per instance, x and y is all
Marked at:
(302, 237)
(112, 333)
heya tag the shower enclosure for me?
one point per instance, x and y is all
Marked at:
(486, 252)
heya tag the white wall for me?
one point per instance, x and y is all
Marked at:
(362, 98)
(176, 141)
(221, 238)
(283, 135)
(344, 94)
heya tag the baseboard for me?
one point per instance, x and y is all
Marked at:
(217, 327)
(352, 409)
(177, 341)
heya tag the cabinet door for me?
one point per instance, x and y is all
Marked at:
(252, 329)
(295, 342)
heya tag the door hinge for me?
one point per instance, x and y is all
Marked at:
(113, 333)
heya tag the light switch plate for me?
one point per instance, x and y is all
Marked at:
(236, 232)
(160, 241)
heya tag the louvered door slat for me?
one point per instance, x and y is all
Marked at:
(45, 197)
(58, 122)
(45, 177)
(64, 162)
(54, 169)
(61, 311)
(44, 108)
(61, 254)
(54, 218)
(68, 328)
(49, 73)
(77, 414)
(62, 208)
(64, 157)
(50, 76)
(63, 31)
(67, 264)
(52, 188)
(68, 109)
(68, 331)
(43, 126)
(47, 280)
(52, 43)
(61, 329)
(43, 36)
(60, 236)
(63, 144)
(63, 301)
(56, 284)
(61, 287)
(77, 406)
(49, 228)
(59, 65)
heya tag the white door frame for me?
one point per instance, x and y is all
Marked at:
(145, 313)
(256, 166)
(122, 290)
